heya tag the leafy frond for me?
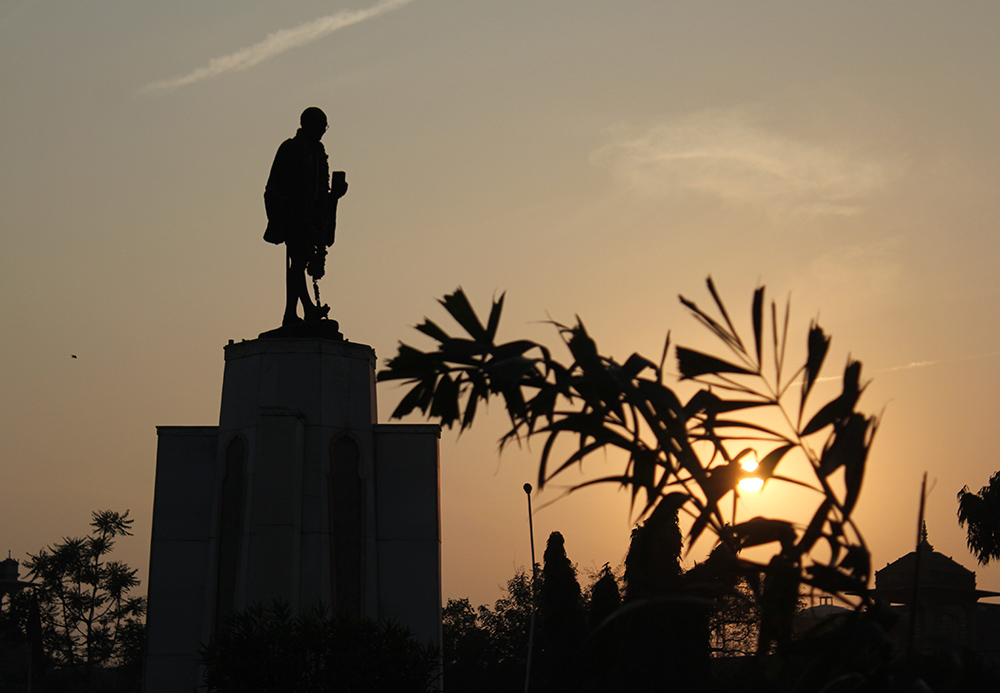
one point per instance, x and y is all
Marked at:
(671, 449)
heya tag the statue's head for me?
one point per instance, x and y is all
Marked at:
(313, 122)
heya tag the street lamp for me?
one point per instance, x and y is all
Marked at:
(534, 594)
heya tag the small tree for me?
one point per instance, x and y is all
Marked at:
(653, 563)
(562, 617)
(605, 597)
(485, 648)
(508, 621)
(981, 512)
(467, 649)
(734, 623)
(89, 618)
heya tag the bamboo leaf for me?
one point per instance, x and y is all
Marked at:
(663, 356)
(725, 406)
(458, 306)
(795, 482)
(494, 320)
(636, 364)
(757, 315)
(693, 363)
(815, 528)
(412, 400)
(832, 412)
(763, 530)
(710, 323)
(848, 446)
(767, 466)
(445, 402)
(854, 465)
(583, 348)
(409, 363)
(747, 426)
(517, 348)
(467, 352)
(577, 456)
(507, 373)
(644, 465)
(699, 525)
(430, 329)
(720, 481)
(725, 314)
(818, 343)
(479, 391)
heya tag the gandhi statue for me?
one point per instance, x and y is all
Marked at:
(301, 207)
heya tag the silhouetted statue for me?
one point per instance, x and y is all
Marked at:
(301, 209)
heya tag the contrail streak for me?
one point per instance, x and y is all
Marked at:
(920, 364)
(276, 43)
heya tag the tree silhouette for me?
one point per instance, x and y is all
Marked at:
(89, 618)
(605, 598)
(653, 563)
(561, 616)
(981, 512)
(269, 650)
(485, 648)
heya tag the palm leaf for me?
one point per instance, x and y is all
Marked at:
(458, 306)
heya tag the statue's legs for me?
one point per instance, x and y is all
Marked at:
(296, 288)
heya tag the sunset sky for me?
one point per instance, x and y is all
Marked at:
(587, 157)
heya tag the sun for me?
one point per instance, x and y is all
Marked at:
(750, 484)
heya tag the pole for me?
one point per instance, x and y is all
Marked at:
(914, 601)
(534, 593)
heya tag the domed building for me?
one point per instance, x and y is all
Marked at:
(941, 595)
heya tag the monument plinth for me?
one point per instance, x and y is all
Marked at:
(297, 495)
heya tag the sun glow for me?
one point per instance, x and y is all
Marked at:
(750, 484)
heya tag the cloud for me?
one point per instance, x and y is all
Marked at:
(277, 43)
(724, 154)
(863, 274)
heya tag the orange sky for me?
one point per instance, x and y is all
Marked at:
(587, 157)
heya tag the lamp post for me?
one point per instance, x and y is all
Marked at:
(534, 594)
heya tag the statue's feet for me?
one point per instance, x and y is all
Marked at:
(317, 312)
(291, 319)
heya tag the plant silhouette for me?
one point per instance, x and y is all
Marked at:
(683, 455)
(91, 623)
(981, 512)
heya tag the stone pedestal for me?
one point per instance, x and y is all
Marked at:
(298, 495)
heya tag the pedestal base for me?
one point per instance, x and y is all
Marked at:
(315, 329)
(298, 495)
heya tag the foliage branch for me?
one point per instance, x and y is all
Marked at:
(981, 512)
(679, 453)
